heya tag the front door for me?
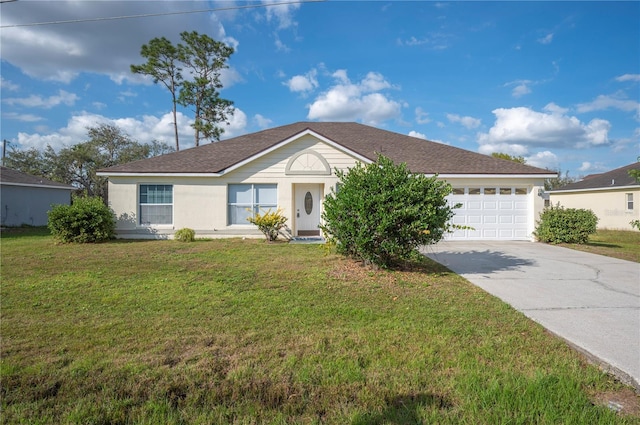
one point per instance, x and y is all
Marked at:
(307, 209)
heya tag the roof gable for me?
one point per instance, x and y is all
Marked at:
(362, 141)
(614, 179)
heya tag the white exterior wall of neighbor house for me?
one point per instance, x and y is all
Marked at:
(26, 204)
(610, 205)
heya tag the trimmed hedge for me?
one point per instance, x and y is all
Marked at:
(566, 225)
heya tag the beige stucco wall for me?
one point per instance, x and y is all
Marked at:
(610, 206)
(200, 203)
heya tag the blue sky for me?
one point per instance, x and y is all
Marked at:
(555, 82)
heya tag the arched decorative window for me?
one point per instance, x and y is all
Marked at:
(308, 162)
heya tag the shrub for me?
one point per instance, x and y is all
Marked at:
(269, 222)
(185, 235)
(87, 219)
(382, 213)
(635, 224)
(560, 225)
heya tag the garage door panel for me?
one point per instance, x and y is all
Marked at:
(489, 219)
(505, 233)
(474, 205)
(459, 219)
(489, 205)
(474, 219)
(506, 219)
(489, 233)
(506, 205)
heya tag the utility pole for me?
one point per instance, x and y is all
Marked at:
(4, 150)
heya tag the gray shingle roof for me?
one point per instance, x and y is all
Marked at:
(11, 176)
(421, 156)
(610, 180)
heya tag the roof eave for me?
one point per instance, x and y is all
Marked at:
(156, 174)
(595, 189)
(495, 176)
(44, 186)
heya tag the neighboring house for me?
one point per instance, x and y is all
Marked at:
(213, 188)
(613, 196)
(26, 199)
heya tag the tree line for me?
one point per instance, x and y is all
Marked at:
(106, 146)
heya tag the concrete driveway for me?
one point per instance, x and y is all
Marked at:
(591, 301)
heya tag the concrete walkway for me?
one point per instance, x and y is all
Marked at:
(591, 301)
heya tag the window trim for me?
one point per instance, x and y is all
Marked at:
(629, 202)
(140, 223)
(253, 204)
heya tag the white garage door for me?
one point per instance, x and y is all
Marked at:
(496, 213)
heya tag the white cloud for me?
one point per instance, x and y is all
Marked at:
(603, 102)
(555, 109)
(237, 124)
(303, 83)
(525, 127)
(349, 101)
(8, 85)
(520, 90)
(262, 121)
(509, 148)
(282, 13)
(628, 77)
(22, 117)
(521, 87)
(143, 129)
(422, 117)
(33, 101)
(467, 122)
(544, 159)
(433, 41)
(62, 52)
(547, 39)
(418, 135)
(589, 167)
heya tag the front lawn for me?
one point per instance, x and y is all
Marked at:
(612, 243)
(240, 331)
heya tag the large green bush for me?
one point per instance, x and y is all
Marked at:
(87, 219)
(565, 225)
(382, 213)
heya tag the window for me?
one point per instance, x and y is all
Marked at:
(629, 201)
(489, 190)
(505, 191)
(156, 204)
(248, 199)
(458, 190)
(474, 191)
(521, 190)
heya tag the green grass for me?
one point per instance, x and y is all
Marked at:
(240, 331)
(612, 243)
